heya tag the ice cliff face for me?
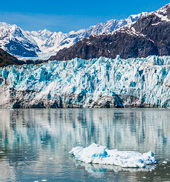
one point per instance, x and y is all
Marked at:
(91, 83)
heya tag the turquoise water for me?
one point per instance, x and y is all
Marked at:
(35, 143)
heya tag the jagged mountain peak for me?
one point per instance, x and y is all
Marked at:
(17, 41)
(164, 10)
(10, 28)
(163, 13)
(5, 25)
(44, 32)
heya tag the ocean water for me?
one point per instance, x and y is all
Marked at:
(35, 143)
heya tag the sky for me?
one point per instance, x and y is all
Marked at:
(66, 15)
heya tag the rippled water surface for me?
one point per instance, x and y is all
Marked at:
(35, 143)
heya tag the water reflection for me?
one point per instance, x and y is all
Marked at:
(30, 137)
(98, 170)
(140, 130)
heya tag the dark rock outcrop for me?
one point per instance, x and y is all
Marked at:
(7, 59)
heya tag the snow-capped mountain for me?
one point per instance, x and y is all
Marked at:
(149, 35)
(43, 44)
(58, 40)
(16, 41)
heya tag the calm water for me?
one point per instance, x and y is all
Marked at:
(34, 143)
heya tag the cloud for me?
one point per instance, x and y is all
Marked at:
(64, 23)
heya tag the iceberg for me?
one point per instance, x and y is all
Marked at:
(98, 154)
(94, 83)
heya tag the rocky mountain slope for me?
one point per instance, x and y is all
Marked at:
(91, 83)
(149, 35)
(6, 59)
(50, 43)
(43, 44)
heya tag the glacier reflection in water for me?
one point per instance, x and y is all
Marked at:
(34, 143)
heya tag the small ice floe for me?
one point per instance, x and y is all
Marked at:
(50, 158)
(98, 154)
(164, 162)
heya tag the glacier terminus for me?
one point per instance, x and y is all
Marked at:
(94, 83)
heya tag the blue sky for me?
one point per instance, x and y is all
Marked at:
(66, 15)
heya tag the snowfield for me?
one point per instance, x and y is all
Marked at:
(103, 82)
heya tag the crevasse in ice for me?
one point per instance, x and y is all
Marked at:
(102, 82)
(98, 154)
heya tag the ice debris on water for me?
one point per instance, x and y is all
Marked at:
(98, 154)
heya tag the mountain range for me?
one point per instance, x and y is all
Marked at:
(149, 35)
(139, 35)
(43, 44)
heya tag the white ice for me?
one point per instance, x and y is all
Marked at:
(98, 154)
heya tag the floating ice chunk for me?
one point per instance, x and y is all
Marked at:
(98, 154)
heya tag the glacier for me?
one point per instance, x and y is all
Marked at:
(94, 83)
(98, 154)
